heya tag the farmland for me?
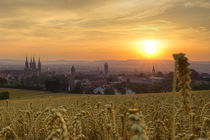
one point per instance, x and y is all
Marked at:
(45, 115)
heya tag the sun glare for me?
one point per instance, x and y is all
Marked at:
(150, 47)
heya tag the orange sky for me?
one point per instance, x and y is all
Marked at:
(103, 29)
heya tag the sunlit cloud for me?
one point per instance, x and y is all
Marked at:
(105, 29)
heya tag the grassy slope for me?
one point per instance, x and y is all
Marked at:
(30, 94)
(27, 94)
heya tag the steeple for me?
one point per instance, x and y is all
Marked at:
(153, 71)
(106, 68)
(26, 63)
(31, 64)
(34, 63)
(31, 67)
(39, 65)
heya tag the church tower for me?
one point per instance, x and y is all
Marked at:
(31, 64)
(73, 70)
(39, 66)
(31, 68)
(72, 78)
(153, 71)
(34, 64)
(26, 65)
(106, 69)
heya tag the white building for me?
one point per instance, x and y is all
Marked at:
(100, 90)
(129, 91)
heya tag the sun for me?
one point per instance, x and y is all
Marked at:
(150, 47)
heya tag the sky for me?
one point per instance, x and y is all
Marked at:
(104, 29)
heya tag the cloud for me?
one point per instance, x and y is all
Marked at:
(194, 17)
(79, 23)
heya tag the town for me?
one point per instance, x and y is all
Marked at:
(99, 82)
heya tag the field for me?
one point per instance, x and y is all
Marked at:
(36, 115)
(28, 94)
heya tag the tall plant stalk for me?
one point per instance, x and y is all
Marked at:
(182, 73)
(173, 130)
(184, 78)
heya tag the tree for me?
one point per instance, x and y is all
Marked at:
(109, 91)
(159, 74)
(112, 78)
(194, 75)
(77, 89)
(89, 91)
(4, 95)
(168, 78)
(121, 87)
(138, 88)
(53, 85)
(3, 82)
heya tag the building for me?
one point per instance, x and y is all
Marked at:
(39, 66)
(205, 76)
(106, 69)
(73, 70)
(99, 90)
(130, 91)
(72, 78)
(153, 71)
(32, 67)
(155, 80)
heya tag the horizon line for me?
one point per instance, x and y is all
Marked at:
(45, 60)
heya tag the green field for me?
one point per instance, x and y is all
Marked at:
(28, 94)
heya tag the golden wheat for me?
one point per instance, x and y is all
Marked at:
(104, 118)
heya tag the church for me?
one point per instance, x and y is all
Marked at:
(31, 67)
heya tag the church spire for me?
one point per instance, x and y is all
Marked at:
(31, 67)
(26, 64)
(31, 64)
(39, 65)
(34, 63)
(153, 71)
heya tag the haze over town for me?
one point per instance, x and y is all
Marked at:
(116, 66)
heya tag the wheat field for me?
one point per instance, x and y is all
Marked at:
(96, 117)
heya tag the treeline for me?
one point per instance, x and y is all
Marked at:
(4, 95)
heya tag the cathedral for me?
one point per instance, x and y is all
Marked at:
(32, 68)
